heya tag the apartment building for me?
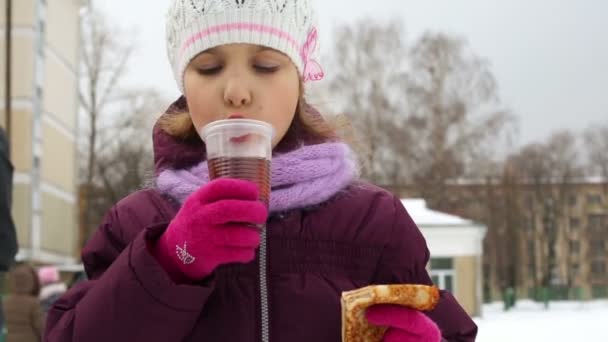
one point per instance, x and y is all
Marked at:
(44, 105)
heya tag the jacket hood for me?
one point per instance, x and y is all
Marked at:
(176, 153)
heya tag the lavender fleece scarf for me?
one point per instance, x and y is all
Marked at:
(304, 177)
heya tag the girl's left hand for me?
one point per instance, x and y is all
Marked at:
(405, 325)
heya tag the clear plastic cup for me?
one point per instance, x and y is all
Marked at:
(240, 148)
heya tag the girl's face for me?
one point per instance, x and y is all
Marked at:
(242, 81)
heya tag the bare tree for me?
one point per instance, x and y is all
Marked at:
(596, 143)
(453, 95)
(563, 152)
(369, 86)
(427, 112)
(126, 162)
(103, 64)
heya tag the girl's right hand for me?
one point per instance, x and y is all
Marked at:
(215, 226)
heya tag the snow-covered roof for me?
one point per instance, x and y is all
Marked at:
(423, 216)
(446, 235)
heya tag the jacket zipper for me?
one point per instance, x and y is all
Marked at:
(264, 288)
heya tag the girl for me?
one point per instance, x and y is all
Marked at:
(177, 262)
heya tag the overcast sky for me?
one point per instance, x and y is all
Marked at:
(550, 57)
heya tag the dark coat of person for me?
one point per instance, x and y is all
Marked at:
(8, 237)
(24, 319)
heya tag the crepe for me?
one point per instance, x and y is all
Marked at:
(356, 328)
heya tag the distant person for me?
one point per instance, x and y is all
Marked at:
(181, 261)
(51, 286)
(22, 309)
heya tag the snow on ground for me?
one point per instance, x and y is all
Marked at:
(529, 321)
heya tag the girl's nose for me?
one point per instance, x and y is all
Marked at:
(236, 93)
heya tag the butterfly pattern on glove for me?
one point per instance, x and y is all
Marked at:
(183, 255)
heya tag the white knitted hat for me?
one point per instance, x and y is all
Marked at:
(288, 26)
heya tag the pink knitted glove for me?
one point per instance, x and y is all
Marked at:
(405, 325)
(213, 227)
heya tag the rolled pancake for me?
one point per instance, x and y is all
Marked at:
(356, 328)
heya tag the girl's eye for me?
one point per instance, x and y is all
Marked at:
(266, 69)
(207, 71)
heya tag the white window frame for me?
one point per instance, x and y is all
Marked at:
(441, 279)
(442, 274)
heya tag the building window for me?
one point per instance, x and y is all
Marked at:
(36, 206)
(39, 76)
(41, 31)
(572, 200)
(531, 245)
(594, 199)
(442, 263)
(596, 221)
(530, 224)
(37, 130)
(531, 250)
(575, 269)
(575, 223)
(529, 201)
(598, 268)
(574, 247)
(443, 273)
(41, 50)
(598, 247)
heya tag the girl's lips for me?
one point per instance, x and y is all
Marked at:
(236, 116)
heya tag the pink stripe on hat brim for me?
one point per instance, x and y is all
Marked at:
(239, 26)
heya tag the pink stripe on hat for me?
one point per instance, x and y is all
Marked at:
(236, 27)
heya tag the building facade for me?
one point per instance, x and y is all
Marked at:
(549, 235)
(44, 106)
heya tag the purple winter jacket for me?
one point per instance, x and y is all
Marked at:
(362, 236)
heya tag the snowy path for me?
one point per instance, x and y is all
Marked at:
(529, 321)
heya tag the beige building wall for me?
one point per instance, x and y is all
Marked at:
(23, 12)
(58, 234)
(467, 281)
(58, 168)
(21, 155)
(58, 221)
(58, 165)
(22, 44)
(21, 147)
(48, 234)
(60, 103)
(22, 194)
(22, 67)
(63, 25)
(61, 62)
